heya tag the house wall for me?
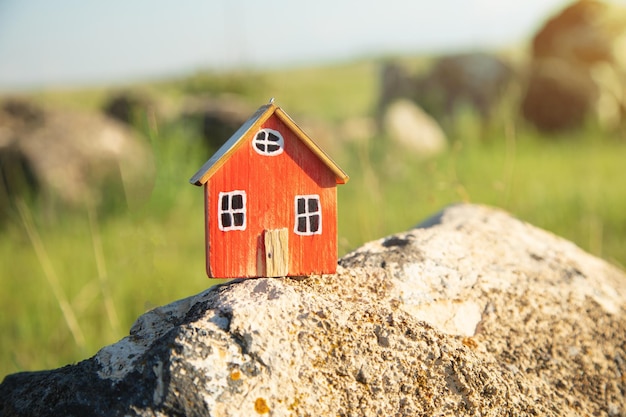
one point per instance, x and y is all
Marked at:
(271, 184)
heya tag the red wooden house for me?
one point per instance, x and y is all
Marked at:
(270, 201)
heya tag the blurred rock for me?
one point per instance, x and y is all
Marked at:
(17, 178)
(395, 82)
(219, 117)
(79, 155)
(477, 80)
(559, 96)
(407, 124)
(584, 38)
(611, 102)
(474, 80)
(131, 107)
(576, 34)
(474, 313)
(75, 158)
(18, 116)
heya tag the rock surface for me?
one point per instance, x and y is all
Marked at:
(471, 313)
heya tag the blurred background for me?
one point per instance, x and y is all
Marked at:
(106, 111)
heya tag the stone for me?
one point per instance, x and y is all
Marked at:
(17, 174)
(219, 117)
(72, 158)
(395, 82)
(131, 107)
(472, 312)
(477, 79)
(407, 124)
(559, 96)
(577, 68)
(580, 33)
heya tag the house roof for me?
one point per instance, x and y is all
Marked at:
(237, 139)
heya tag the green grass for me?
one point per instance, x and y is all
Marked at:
(106, 268)
(571, 188)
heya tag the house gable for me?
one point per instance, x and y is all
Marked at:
(252, 125)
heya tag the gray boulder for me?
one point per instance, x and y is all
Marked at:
(478, 80)
(79, 155)
(407, 124)
(131, 107)
(471, 313)
(72, 158)
(218, 117)
(18, 179)
(395, 82)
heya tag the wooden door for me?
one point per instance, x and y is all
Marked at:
(276, 252)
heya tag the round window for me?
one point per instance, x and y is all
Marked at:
(268, 142)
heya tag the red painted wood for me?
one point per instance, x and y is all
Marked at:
(271, 184)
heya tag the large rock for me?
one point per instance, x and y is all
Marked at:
(395, 82)
(559, 96)
(478, 80)
(473, 313)
(132, 107)
(72, 157)
(586, 41)
(407, 124)
(17, 173)
(581, 33)
(219, 117)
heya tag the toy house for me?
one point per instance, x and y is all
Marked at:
(270, 199)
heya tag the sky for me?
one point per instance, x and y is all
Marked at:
(48, 43)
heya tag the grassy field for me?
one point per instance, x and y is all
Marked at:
(76, 283)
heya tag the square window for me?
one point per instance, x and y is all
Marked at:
(308, 215)
(232, 211)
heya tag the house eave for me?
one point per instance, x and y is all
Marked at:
(230, 146)
(340, 175)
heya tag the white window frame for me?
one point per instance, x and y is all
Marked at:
(264, 141)
(307, 215)
(230, 211)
